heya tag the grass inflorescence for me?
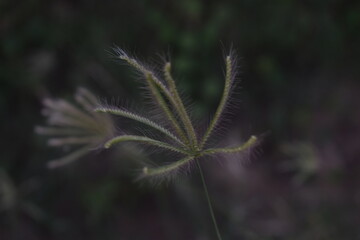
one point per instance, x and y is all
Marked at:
(179, 131)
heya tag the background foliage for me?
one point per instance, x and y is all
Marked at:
(299, 82)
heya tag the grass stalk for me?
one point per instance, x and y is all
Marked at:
(208, 200)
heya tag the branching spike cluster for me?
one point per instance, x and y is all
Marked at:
(184, 137)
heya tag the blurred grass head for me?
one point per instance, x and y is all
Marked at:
(75, 126)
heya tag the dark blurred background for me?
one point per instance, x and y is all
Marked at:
(299, 70)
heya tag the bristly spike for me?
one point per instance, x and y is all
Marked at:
(167, 169)
(248, 144)
(146, 140)
(179, 105)
(121, 54)
(138, 118)
(159, 98)
(224, 98)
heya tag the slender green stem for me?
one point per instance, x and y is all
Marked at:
(208, 200)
